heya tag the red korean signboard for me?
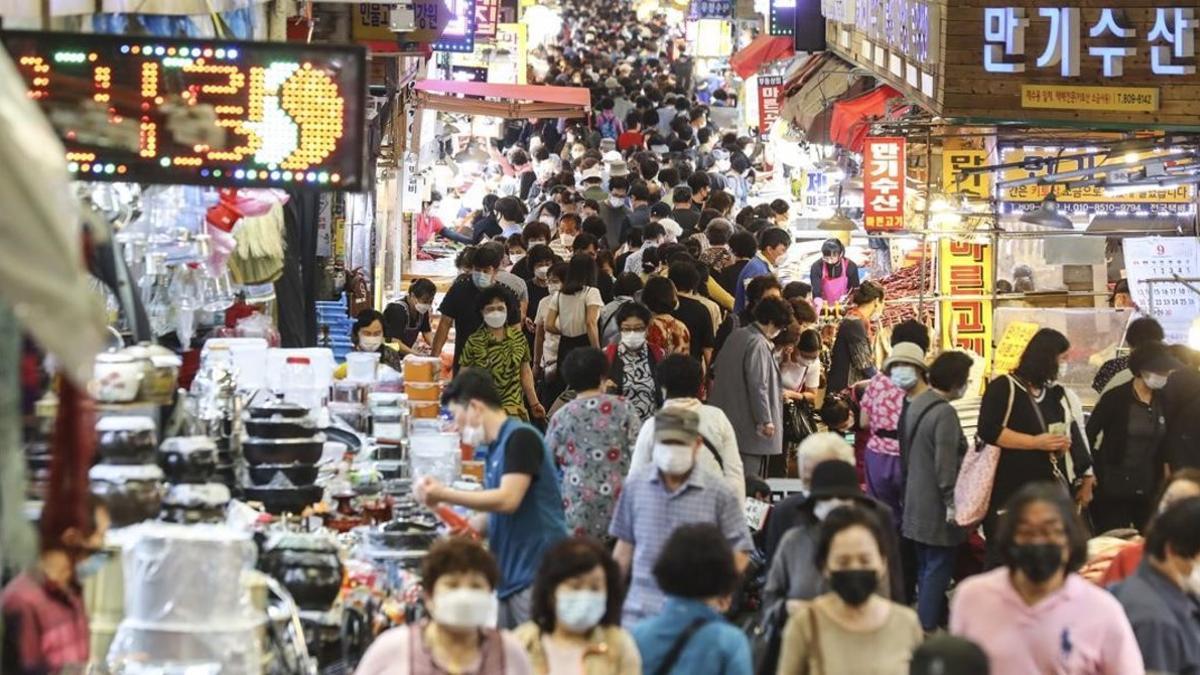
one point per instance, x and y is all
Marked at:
(883, 184)
(768, 101)
(487, 17)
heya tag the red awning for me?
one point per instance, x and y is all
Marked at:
(504, 100)
(852, 117)
(764, 49)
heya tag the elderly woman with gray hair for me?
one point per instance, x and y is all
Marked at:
(813, 450)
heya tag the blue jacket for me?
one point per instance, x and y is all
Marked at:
(717, 648)
(756, 267)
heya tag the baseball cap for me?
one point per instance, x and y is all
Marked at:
(675, 424)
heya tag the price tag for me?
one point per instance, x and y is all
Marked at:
(756, 513)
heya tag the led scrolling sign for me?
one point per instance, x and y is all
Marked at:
(200, 111)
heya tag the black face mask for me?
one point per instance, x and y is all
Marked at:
(854, 586)
(1039, 562)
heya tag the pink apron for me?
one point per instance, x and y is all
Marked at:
(833, 290)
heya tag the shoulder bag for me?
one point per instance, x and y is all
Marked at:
(977, 475)
(680, 644)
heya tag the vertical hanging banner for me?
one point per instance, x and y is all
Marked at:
(510, 41)
(768, 101)
(966, 269)
(487, 18)
(459, 35)
(883, 184)
(954, 181)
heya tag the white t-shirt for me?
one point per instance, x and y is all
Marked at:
(572, 310)
(550, 342)
(797, 377)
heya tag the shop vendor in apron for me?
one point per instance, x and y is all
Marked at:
(833, 276)
(520, 508)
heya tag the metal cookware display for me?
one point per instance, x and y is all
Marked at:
(286, 499)
(188, 459)
(280, 427)
(276, 407)
(127, 440)
(283, 451)
(307, 565)
(297, 474)
(133, 493)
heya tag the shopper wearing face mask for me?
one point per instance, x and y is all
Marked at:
(681, 378)
(591, 438)
(459, 577)
(1158, 599)
(1025, 416)
(500, 348)
(626, 288)
(1127, 430)
(657, 499)
(576, 623)
(1035, 614)
(460, 306)
(773, 245)
(698, 572)
(614, 210)
(881, 410)
(793, 574)
(568, 229)
(933, 444)
(852, 358)
(45, 624)
(814, 450)
(852, 628)
(367, 335)
(406, 320)
(520, 508)
(633, 361)
(748, 385)
(1180, 485)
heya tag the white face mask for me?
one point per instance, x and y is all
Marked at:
(823, 508)
(673, 459)
(548, 220)
(616, 201)
(554, 286)
(423, 307)
(579, 611)
(1062, 372)
(806, 362)
(370, 343)
(515, 258)
(541, 272)
(567, 239)
(466, 608)
(472, 435)
(536, 242)
(495, 318)
(633, 339)
(1193, 580)
(1155, 381)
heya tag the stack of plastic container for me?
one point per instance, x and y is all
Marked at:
(422, 384)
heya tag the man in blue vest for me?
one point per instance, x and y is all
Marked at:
(520, 509)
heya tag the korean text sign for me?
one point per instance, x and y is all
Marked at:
(768, 101)
(1108, 37)
(965, 270)
(883, 183)
(199, 111)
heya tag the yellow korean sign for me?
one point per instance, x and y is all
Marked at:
(1042, 162)
(1069, 97)
(976, 184)
(966, 269)
(1012, 344)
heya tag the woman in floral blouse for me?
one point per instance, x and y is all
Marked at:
(592, 440)
(665, 331)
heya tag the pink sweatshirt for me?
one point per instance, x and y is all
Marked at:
(1079, 630)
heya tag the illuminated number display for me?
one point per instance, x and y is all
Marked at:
(200, 111)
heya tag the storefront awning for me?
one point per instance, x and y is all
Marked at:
(764, 49)
(821, 80)
(508, 101)
(852, 117)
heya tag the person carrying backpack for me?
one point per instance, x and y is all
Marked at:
(607, 123)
